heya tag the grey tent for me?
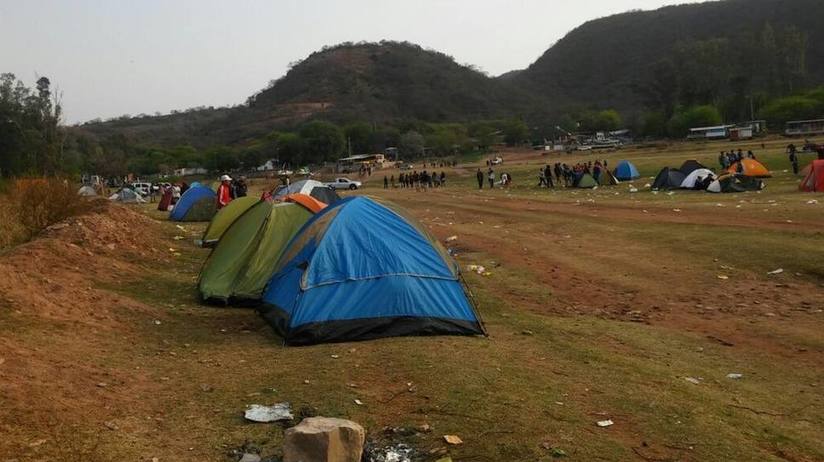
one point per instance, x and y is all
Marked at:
(313, 188)
(668, 178)
(127, 196)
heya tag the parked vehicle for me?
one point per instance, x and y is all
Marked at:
(144, 189)
(344, 183)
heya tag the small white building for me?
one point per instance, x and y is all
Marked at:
(271, 164)
(190, 171)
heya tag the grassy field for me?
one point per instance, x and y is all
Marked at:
(600, 305)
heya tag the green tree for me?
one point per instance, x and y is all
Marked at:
(783, 110)
(412, 144)
(358, 135)
(515, 131)
(322, 141)
(697, 116)
(290, 148)
(483, 133)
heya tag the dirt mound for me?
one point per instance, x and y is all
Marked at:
(56, 314)
(54, 275)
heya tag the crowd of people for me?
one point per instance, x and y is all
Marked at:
(418, 181)
(560, 173)
(728, 159)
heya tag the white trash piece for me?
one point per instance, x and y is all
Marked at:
(605, 423)
(265, 414)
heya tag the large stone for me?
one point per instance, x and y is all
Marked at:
(323, 439)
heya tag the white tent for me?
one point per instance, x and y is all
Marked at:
(86, 191)
(696, 176)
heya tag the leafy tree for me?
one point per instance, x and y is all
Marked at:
(290, 148)
(412, 144)
(515, 131)
(697, 116)
(322, 141)
(220, 159)
(606, 120)
(358, 134)
(484, 134)
(792, 108)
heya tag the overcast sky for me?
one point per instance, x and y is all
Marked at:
(114, 57)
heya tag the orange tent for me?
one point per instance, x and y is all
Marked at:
(814, 181)
(307, 201)
(750, 167)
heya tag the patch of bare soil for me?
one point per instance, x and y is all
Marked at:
(55, 324)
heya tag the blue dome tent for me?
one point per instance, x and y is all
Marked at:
(360, 270)
(626, 171)
(196, 204)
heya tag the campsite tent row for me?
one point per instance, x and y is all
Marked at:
(199, 202)
(742, 176)
(624, 171)
(323, 273)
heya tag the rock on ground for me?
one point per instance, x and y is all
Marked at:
(323, 439)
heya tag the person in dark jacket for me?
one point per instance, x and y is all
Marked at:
(480, 177)
(239, 187)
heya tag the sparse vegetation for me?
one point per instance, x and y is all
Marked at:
(30, 205)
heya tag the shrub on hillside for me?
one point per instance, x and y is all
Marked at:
(11, 231)
(33, 204)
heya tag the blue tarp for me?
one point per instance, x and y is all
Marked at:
(359, 270)
(625, 171)
(189, 199)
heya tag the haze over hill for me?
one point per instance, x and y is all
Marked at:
(707, 51)
(722, 53)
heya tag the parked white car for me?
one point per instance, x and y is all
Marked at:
(344, 183)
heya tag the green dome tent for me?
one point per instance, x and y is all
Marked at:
(224, 218)
(607, 178)
(586, 181)
(245, 257)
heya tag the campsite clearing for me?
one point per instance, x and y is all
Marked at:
(107, 354)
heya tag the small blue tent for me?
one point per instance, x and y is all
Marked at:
(360, 270)
(196, 204)
(626, 171)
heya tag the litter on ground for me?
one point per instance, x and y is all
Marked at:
(453, 439)
(265, 414)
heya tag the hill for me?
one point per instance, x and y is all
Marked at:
(737, 55)
(380, 83)
(688, 54)
(390, 81)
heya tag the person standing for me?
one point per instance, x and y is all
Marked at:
(385, 182)
(224, 192)
(480, 177)
(541, 177)
(794, 160)
(239, 188)
(491, 176)
(548, 177)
